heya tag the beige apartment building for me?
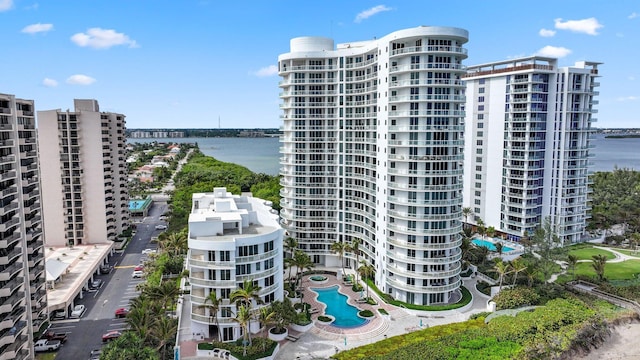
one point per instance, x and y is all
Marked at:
(84, 174)
(23, 298)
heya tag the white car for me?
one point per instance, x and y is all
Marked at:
(149, 251)
(46, 345)
(161, 227)
(137, 274)
(77, 312)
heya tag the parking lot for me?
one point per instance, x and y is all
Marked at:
(118, 288)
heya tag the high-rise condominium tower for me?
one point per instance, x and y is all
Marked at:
(527, 149)
(23, 297)
(84, 174)
(372, 150)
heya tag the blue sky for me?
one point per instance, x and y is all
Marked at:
(186, 63)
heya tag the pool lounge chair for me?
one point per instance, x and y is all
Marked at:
(292, 338)
(314, 311)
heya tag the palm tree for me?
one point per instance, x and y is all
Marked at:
(465, 248)
(243, 318)
(491, 231)
(466, 211)
(599, 263)
(531, 274)
(499, 247)
(214, 307)
(482, 254)
(354, 247)
(340, 248)
(140, 320)
(165, 293)
(164, 333)
(246, 293)
(265, 317)
(302, 262)
(502, 269)
(517, 267)
(572, 261)
(635, 240)
(291, 245)
(366, 270)
(481, 228)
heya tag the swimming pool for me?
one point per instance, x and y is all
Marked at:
(346, 316)
(490, 245)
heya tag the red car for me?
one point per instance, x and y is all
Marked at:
(122, 312)
(111, 335)
(139, 268)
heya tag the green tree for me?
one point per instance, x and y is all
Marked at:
(290, 245)
(466, 211)
(129, 346)
(354, 247)
(339, 248)
(491, 231)
(599, 263)
(165, 294)
(246, 294)
(517, 266)
(212, 302)
(499, 248)
(366, 271)
(572, 261)
(243, 318)
(163, 334)
(502, 269)
(545, 238)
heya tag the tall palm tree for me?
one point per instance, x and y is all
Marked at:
(491, 231)
(481, 228)
(245, 294)
(516, 268)
(499, 248)
(165, 294)
(340, 248)
(291, 245)
(502, 269)
(466, 211)
(243, 318)
(531, 274)
(164, 334)
(599, 263)
(302, 262)
(366, 270)
(354, 247)
(214, 307)
(141, 321)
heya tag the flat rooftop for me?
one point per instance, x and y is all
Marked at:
(82, 261)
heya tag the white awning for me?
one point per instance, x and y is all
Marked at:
(55, 268)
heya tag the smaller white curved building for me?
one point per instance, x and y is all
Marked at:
(231, 239)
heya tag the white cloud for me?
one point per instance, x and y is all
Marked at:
(98, 38)
(36, 28)
(546, 33)
(633, 15)
(632, 77)
(370, 12)
(267, 71)
(6, 5)
(553, 51)
(35, 6)
(49, 82)
(628, 98)
(588, 26)
(80, 79)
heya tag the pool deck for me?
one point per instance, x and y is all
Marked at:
(322, 341)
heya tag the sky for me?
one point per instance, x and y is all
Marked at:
(210, 64)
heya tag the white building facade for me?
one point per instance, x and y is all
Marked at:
(527, 145)
(23, 297)
(372, 149)
(84, 172)
(231, 239)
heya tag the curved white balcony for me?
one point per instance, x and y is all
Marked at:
(422, 261)
(408, 172)
(415, 231)
(395, 283)
(399, 270)
(423, 246)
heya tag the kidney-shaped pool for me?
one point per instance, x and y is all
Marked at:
(346, 316)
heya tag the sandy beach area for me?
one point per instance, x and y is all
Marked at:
(624, 344)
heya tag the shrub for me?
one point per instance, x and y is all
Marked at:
(483, 287)
(383, 311)
(259, 348)
(324, 318)
(366, 313)
(481, 315)
(516, 297)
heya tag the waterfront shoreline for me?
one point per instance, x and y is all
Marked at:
(621, 345)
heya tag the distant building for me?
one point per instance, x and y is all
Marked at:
(527, 145)
(23, 297)
(231, 239)
(140, 134)
(251, 133)
(84, 175)
(176, 134)
(159, 134)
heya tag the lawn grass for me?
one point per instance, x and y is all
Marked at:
(628, 252)
(625, 270)
(587, 253)
(46, 356)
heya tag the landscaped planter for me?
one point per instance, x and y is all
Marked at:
(301, 328)
(318, 279)
(331, 319)
(278, 337)
(366, 317)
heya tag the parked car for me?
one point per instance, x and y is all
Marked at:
(122, 312)
(137, 274)
(111, 335)
(59, 315)
(163, 217)
(95, 285)
(161, 227)
(139, 268)
(46, 345)
(77, 311)
(149, 251)
(52, 335)
(95, 354)
(106, 269)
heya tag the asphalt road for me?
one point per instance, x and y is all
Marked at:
(85, 334)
